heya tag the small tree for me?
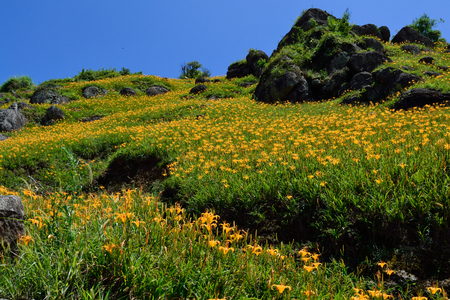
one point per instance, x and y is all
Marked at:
(424, 25)
(191, 70)
(16, 82)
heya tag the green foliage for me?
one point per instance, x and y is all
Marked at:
(424, 25)
(194, 69)
(15, 83)
(341, 26)
(91, 75)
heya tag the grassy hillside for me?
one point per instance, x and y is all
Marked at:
(361, 183)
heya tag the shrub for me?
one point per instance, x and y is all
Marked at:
(16, 82)
(424, 25)
(191, 70)
(341, 26)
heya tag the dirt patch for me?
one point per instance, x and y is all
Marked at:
(123, 173)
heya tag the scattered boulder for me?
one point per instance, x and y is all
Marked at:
(20, 106)
(127, 92)
(52, 114)
(156, 90)
(419, 98)
(427, 60)
(60, 99)
(385, 33)
(43, 95)
(409, 35)
(413, 49)
(443, 68)
(90, 91)
(368, 29)
(370, 43)
(91, 118)
(198, 89)
(3, 137)
(202, 80)
(432, 73)
(238, 69)
(11, 119)
(12, 216)
(361, 80)
(367, 61)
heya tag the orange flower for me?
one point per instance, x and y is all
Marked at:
(25, 239)
(280, 288)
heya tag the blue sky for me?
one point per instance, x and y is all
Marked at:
(56, 39)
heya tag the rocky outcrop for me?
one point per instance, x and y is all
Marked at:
(368, 29)
(12, 216)
(43, 95)
(11, 119)
(367, 61)
(156, 90)
(409, 35)
(419, 98)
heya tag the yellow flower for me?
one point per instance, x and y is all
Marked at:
(280, 288)
(213, 243)
(389, 271)
(225, 250)
(434, 290)
(308, 293)
(308, 268)
(272, 252)
(419, 298)
(109, 247)
(25, 239)
(381, 264)
(303, 252)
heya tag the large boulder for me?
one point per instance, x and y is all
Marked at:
(420, 97)
(361, 80)
(253, 57)
(198, 89)
(3, 137)
(238, 69)
(12, 216)
(12, 119)
(413, 49)
(385, 33)
(367, 61)
(127, 92)
(156, 90)
(44, 95)
(409, 35)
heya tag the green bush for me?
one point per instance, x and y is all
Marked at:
(424, 25)
(341, 26)
(192, 70)
(15, 83)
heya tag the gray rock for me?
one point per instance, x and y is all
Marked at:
(52, 114)
(409, 35)
(12, 119)
(43, 96)
(368, 29)
(367, 61)
(198, 89)
(361, 80)
(419, 98)
(3, 137)
(90, 91)
(156, 90)
(413, 49)
(60, 99)
(127, 92)
(339, 61)
(385, 33)
(290, 86)
(253, 57)
(374, 44)
(432, 73)
(12, 216)
(238, 70)
(202, 80)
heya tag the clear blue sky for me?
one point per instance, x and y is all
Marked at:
(47, 39)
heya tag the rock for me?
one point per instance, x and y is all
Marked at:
(90, 91)
(60, 99)
(339, 61)
(291, 86)
(12, 119)
(407, 68)
(156, 90)
(253, 57)
(419, 98)
(443, 68)
(334, 86)
(432, 73)
(428, 60)
(103, 92)
(361, 80)
(413, 49)
(12, 216)
(409, 35)
(20, 106)
(44, 95)
(385, 33)
(17, 96)
(52, 114)
(3, 137)
(198, 89)
(92, 118)
(238, 69)
(202, 80)
(367, 61)
(368, 29)
(127, 92)
(217, 80)
(370, 43)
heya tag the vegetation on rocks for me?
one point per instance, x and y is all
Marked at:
(218, 196)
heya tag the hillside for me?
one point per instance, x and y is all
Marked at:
(302, 152)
